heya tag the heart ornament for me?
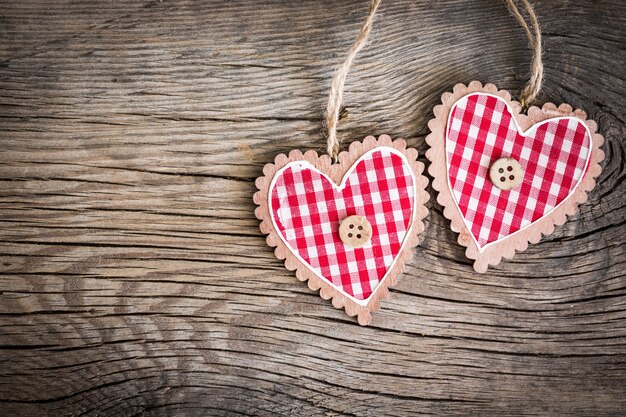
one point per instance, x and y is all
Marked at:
(346, 228)
(505, 178)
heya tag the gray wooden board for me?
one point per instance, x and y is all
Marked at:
(134, 279)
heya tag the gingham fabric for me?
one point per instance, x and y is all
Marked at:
(553, 155)
(307, 209)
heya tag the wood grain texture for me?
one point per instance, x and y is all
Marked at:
(134, 279)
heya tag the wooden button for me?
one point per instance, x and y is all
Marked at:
(355, 231)
(506, 173)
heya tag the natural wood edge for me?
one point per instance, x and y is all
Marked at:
(336, 172)
(506, 247)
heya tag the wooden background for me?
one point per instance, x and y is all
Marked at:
(134, 280)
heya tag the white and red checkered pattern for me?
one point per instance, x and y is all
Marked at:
(554, 155)
(307, 208)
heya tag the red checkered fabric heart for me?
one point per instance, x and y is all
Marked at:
(307, 207)
(554, 155)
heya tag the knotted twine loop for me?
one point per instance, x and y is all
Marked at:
(339, 79)
(533, 33)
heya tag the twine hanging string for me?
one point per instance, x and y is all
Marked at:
(533, 33)
(339, 79)
(528, 94)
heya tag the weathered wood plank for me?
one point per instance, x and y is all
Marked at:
(133, 277)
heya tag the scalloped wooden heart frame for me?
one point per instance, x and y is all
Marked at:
(336, 172)
(518, 241)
